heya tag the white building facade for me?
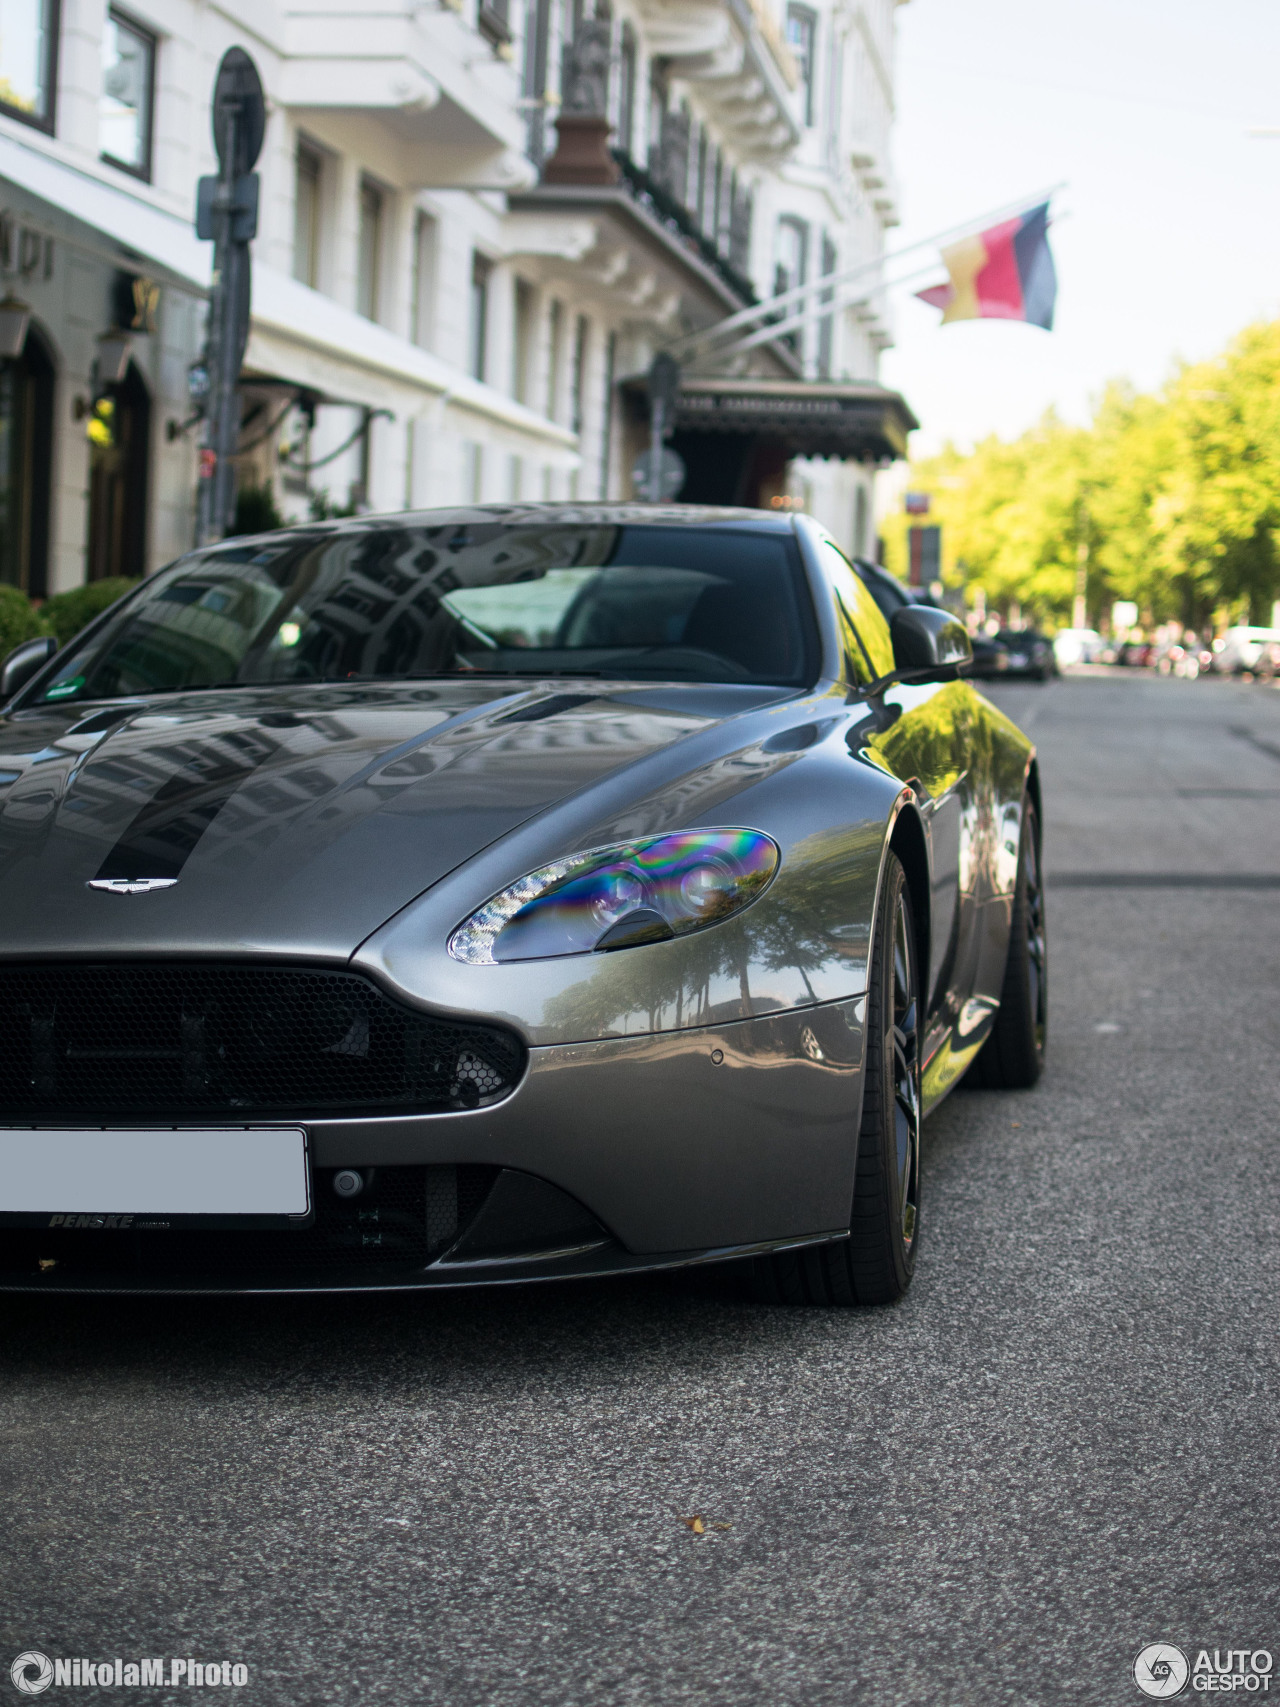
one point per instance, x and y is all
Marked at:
(479, 221)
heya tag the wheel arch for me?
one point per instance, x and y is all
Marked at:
(907, 840)
(1033, 794)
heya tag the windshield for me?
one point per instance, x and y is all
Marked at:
(624, 601)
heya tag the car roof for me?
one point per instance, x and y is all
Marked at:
(625, 512)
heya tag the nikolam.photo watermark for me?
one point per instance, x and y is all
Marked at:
(1163, 1671)
(32, 1672)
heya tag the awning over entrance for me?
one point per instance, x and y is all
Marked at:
(810, 417)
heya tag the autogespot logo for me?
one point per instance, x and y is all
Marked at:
(1161, 1670)
(31, 1673)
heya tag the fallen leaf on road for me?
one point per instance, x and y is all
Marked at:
(722, 1526)
(695, 1523)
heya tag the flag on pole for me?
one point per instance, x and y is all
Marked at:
(1004, 273)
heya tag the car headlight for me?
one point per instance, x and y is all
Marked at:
(620, 896)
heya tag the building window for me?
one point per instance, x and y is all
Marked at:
(802, 27)
(626, 88)
(128, 95)
(577, 383)
(827, 324)
(423, 302)
(790, 265)
(478, 350)
(369, 249)
(308, 189)
(606, 426)
(537, 53)
(26, 458)
(526, 302)
(555, 340)
(657, 114)
(494, 22)
(28, 57)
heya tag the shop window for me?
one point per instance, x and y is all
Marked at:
(26, 454)
(308, 210)
(373, 203)
(28, 60)
(126, 104)
(802, 28)
(119, 435)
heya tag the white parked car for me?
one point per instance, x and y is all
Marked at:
(1240, 648)
(1076, 646)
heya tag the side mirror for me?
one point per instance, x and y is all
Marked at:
(929, 644)
(24, 662)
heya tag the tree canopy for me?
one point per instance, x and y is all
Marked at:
(1176, 496)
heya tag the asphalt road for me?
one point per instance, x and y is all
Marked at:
(1061, 1446)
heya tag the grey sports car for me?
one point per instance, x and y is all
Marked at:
(502, 893)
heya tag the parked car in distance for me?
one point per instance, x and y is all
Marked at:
(1136, 654)
(1076, 646)
(1240, 648)
(1030, 654)
(990, 658)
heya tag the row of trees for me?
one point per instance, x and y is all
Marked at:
(1170, 499)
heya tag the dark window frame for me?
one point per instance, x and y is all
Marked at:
(116, 15)
(47, 121)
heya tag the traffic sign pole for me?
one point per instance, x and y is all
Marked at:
(227, 212)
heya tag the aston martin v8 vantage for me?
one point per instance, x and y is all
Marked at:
(502, 893)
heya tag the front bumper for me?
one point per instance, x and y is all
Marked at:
(672, 1148)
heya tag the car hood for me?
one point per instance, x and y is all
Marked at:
(296, 820)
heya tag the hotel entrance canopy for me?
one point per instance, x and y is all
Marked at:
(860, 420)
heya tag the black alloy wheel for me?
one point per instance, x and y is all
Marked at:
(875, 1263)
(1012, 1058)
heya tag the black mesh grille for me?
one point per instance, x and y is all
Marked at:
(176, 1039)
(402, 1220)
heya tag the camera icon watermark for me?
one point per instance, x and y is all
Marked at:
(1161, 1670)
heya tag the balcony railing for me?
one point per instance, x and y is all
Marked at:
(658, 201)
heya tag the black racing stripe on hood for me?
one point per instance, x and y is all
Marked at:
(165, 831)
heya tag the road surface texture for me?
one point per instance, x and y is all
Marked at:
(1062, 1446)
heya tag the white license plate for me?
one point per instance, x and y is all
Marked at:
(149, 1171)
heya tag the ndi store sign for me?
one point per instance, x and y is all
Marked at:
(33, 1672)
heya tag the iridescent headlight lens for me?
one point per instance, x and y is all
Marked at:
(619, 897)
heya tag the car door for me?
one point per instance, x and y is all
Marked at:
(923, 737)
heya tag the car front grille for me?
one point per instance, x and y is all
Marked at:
(191, 1039)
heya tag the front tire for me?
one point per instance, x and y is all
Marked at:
(875, 1264)
(1012, 1058)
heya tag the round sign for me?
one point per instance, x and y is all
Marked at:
(238, 98)
(670, 481)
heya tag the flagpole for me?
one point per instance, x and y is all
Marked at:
(766, 334)
(683, 347)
